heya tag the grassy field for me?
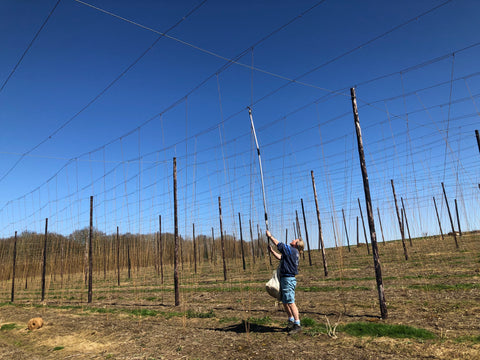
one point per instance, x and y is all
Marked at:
(433, 302)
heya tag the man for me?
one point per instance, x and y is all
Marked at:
(289, 258)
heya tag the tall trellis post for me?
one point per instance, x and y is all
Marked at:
(44, 264)
(222, 239)
(13, 268)
(406, 221)
(346, 231)
(438, 218)
(175, 216)
(90, 254)
(402, 232)
(458, 219)
(118, 257)
(241, 241)
(381, 227)
(450, 216)
(160, 245)
(363, 225)
(371, 223)
(194, 248)
(306, 233)
(320, 234)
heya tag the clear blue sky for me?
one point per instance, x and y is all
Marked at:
(114, 132)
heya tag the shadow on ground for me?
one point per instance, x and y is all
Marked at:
(245, 327)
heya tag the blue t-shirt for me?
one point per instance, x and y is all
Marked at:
(289, 261)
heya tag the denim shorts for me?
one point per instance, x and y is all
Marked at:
(287, 285)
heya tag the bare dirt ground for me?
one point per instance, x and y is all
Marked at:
(437, 289)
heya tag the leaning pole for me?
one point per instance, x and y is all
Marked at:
(368, 200)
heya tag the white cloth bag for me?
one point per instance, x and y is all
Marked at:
(273, 285)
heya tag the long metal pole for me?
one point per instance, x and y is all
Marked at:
(260, 165)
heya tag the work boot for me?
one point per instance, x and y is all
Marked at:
(290, 325)
(295, 330)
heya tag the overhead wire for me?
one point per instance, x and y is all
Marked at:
(29, 46)
(226, 66)
(95, 98)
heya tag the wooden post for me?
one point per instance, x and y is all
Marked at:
(346, 231)
(259, 247)
(406, 221)
(241, 241)
(478, 139)
(129, 261)
(334, 232)
(450, 216)
(381, 227)
(175, 256)
(371, 223)
(306, 234)
(213, 248)
(458, 219)
(194, 249)
(118, 258)
(222, 239)
(104, 259)
(358, 235)
(402, 233)
(298, 231)
(44, 265)
(320, 234)
(12, 298)
(363, 225)
(438, 218)
(286, 236)
(251, 241)
(90, 254)
(160, 245)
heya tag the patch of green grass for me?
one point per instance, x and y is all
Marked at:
(56, 348)
(201, 315)
(389, 330)
(440, 287)
(6, 327)
(142, 312)
(307, 322)
(260, 321)
(311, 327)
(471, 339)
(229, 319)
(151, 298)
(332, 288)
